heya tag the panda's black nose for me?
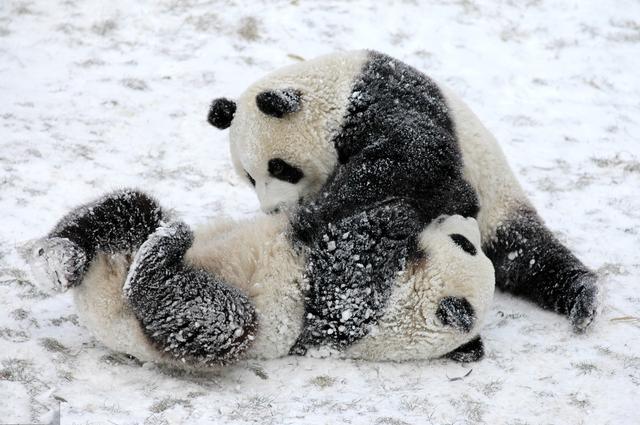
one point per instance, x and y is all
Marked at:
(276, 210)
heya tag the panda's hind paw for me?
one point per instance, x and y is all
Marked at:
(56, 263)
(586, 303)
(472, 351)
(456, 312)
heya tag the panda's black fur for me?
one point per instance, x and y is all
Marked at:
(120, 221)
(278, 103)
(221, 113)
(470, 352)
(463, 243)
(530, 261)
(396, 140)
(186, 312)
(456, 312)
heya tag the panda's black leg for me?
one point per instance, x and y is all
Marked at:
(187, 313)
(117, 222)
(529, 261)
(472, 351)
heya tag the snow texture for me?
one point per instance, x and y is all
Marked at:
(102, 95)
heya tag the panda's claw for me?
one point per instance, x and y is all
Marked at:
(57, 263)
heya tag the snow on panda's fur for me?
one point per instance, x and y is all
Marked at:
(356, 127)
(122, 254)
(363, 153)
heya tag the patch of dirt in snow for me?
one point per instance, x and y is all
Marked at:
(100, 95)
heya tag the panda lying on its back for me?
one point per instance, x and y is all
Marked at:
(234, 290)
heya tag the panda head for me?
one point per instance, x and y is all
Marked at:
(281, 128)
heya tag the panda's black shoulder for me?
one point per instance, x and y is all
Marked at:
(387, 91)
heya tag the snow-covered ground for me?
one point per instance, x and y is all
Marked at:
(96, 95)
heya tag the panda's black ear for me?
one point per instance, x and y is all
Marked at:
(221, 113)
(278, 103)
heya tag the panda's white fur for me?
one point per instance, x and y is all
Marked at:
(485, 167)
(102, 308)
(255, 256)
(300, 138)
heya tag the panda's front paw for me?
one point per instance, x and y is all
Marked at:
(57, 263)
(456, 312)
(586, 303)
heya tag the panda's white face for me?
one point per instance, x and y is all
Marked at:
(283, 159)
(281, 128)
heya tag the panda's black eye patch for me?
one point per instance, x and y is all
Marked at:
(284, 171)
(463, 243)
(251, 179)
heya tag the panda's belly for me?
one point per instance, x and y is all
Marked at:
(276, 293)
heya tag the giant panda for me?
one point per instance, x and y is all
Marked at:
(342, 131)
(145, 285)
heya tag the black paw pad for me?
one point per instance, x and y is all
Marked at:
(278, 103)
(221, 113)
(463, 243)
(456, 312)
(472, 351)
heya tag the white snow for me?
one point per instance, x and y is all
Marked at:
(98, 95)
